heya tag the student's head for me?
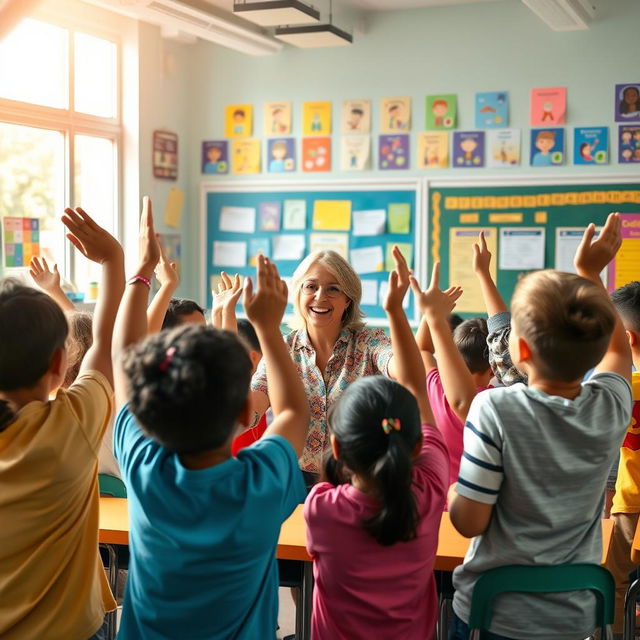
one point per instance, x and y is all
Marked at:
(630, 100)
(626, 300)
(545, 140)
(247, 335)
(454, 320)
(80, 339)
(375, 434)
(279, 150)
(214, 153)
(33, 332)
(189, 387)
(471, 339)
(468, 145)
(326, 293)
(182, 311)
(238, 115)
(561, 325)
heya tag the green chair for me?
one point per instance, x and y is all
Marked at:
(532, 579)
(111, 486)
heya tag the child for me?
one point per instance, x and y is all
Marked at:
(53, 583)
(536, 457)
(625, 509)
(197, 560)
(372, 529)
(461, 371)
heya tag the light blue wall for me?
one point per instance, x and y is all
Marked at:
(460, 49)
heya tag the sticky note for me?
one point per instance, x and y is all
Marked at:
(173, 210)
(400, 217)
(332, 215)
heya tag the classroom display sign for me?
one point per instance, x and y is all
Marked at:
(245, 156)
(395, 115)
(316, 118)
(548, 106)
(277, 118)
(355, 153)
(503, 148)
(433, 150)
(238, 120)
(468, 149)
(628, 144)
(441, 111)
(626, 265)
(316, 154)
(492, 109)
(165, 155)
(215, 157)
(547, 147)
(393, 152)
(21, 240)
(356, 116)
(281, 155)
(627, 102)
(591, 145)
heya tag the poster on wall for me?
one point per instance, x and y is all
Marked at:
(238, 120)
(395, 115)
(277, 118)
(215, 157)
(21, 240)
(355, 153)
(548, 106)
(165, 155)
(591, 145)
(316, 118)
(628, 144)
(356, 116)
(492, 109)
(624, 268)
(316, 154)
(433, 150)
(547, 147)
(393, 152)
(281, 155)
(245, 156)
(503, 148)
(627, 102)
(468, 149)
(441, 111)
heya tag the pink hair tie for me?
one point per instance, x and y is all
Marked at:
(164, 365)
(390, 423)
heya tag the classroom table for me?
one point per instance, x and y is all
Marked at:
(452, 547)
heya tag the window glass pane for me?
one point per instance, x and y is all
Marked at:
(95, 76)
(32, 184)
(34, 64)
(95, 192)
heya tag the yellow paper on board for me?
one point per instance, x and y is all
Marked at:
(540, 217)
(461, 241)
(627, 262)
(469, 218)
(501, 218)
(245, 156)
(173, 210)
(332, 215)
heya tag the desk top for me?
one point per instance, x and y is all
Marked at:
(452, 547)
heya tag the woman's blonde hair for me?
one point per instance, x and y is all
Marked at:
(345, 276)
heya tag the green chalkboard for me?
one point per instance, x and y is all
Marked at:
(544, 206)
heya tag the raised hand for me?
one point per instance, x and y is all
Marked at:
(166, 271)
(149, 247)
(434, 302)
(594, 255)
(481, 256)
(265, 306)
(43, 276)
(399, 281)
(93, 242)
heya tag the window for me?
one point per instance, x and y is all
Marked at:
(60, 133)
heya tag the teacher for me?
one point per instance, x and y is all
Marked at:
(329, 345)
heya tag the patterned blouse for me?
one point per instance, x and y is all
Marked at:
(357, 353)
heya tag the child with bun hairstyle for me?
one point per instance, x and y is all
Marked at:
(372, 526)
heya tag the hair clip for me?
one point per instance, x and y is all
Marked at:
(164, 365)
(390, 423)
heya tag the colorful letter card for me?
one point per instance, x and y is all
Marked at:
(316, 154)
(316, 118)
(281, 155)
(591, 145)
(356, 116)
(395, 115)
(468, 149)
(441, 111)
(277, 118)
(215, 157)
(547, 147)
(245, 156)
(503, 148)
(433, 150)
(548, 106)
(393, 152)
(355, 153)
(628, 102)
(492, 110)
(629, 144)
(21, 240)
(238, 120)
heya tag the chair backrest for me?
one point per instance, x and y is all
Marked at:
(554, 579)
(111, 486)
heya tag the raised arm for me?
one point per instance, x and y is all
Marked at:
(406, 365)
(591, 258)
(49, 282)
(225, 300)
(131, 322)
(265, 308)
(481, 265)
(168, 277)
(98, 245)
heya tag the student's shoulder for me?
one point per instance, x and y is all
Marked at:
(87, 383)
(609, 383)
(271, 450)
(323, 499)
(88, 399)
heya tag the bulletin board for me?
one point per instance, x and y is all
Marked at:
(457, 211)
(363, 195)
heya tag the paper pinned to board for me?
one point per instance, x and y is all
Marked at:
(173, 208)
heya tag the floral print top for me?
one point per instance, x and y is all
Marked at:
(357, 353)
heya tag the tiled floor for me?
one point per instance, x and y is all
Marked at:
(287, 615)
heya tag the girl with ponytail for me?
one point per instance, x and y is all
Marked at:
(372, 526)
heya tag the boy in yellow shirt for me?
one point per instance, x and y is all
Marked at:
(52, 584)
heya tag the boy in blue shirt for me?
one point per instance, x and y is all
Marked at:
(203, 525)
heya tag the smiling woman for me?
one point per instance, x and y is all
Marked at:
(329, 344)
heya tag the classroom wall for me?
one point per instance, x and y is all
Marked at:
(459, 49)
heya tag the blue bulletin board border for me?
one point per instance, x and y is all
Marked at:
(363, 194)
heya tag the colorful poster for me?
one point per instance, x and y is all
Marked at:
(547, 147)
(393, 152)
(400, 217)
(591, 145)
(238, 120)
(406, 249)
(165, 155)
(468, 149)
(433, 150)
(627, 102)
(332, 215)
(245, 156)
(316, 154)
(626, 265)
(269, 216)
(172, 245)
(503, 148)
(355, 152)
(295, 215)
(338, 242)
(281, 155)
(316, 118)
(21, 240)
(548, 106)
(492, 109)
(215, 156)
(395, 115)
(277, 118)
(258, 246)
(441, 111)
(356, 116)
(629, 144)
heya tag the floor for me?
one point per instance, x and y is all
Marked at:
(287, 615)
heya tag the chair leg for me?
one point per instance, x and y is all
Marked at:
(113, 583)
(630, 611)
(443, 618)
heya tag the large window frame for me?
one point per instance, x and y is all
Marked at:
(71, 123)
